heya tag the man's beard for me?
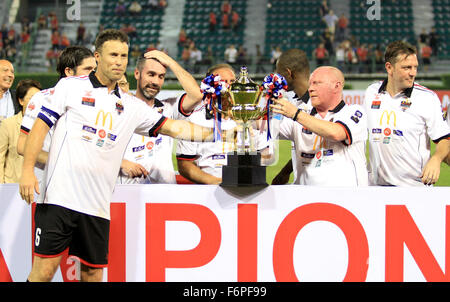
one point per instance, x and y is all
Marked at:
(148, 95)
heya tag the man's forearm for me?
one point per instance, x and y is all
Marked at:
(189, 84)
(34, 144)
(42, 156)
(192, 172)
(442, 150)
(185, 130)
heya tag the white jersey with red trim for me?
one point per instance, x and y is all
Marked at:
(400, 129)
(208, 156)
(92, 129)
(31, 113)
(154, 153)
(324, 162)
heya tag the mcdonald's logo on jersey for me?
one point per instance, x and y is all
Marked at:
(104, 117)
(389, 115)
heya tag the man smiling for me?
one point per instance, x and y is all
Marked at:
(8, 105)
(402, 118)
(149, 159)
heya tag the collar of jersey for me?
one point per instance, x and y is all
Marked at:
(96, 84)
(158, 103)
(335, 110)
(304, 98)
(407, 92)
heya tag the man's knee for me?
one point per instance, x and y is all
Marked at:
(91, 274)
(43, 269)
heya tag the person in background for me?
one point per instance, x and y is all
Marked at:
(293, 65)
(149, 159)
(10, 160)
(73, 61)
(8, 104)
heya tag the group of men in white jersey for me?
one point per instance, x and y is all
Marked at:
(91, 135)
(93, 121)
(400, 116)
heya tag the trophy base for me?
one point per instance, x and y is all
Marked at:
(243, 170)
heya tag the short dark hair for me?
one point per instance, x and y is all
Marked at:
(141, 61)
(72, 57)
(23, 86)
(398, 48)
(295, 60)
(110, 35)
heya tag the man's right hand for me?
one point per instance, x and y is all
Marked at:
(28, 185)
(133, 169)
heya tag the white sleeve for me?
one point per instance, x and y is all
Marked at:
(354, 120)
(186, 150)
(32, 111)
(287, 126)
(437, 128)
(55, 102)
(149, 120)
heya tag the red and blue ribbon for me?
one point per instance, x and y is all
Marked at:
(274, 86)
(213, 88)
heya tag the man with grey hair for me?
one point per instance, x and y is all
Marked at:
(149, 159)
(8, 105)
(329, 135)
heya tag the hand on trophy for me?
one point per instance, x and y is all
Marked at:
(284, 107)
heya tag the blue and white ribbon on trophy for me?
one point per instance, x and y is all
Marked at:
(274, 86)
(213, 88)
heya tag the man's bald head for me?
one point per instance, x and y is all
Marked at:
(325, 88)
(330, 74)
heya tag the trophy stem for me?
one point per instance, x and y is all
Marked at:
(245, 142)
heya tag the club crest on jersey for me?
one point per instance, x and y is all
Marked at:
(405, 104)
(119, 107)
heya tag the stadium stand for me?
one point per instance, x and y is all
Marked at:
(395, 24)
(196, 24)
(148, 24)
(441, 11)
(285, 24)
(293, 26)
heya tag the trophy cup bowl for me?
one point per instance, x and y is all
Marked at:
(244, 102)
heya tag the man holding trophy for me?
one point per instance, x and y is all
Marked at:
(242, 103)
(202, 163)
(329, 136)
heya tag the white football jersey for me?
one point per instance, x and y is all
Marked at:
(31, 113)
(154, 153)
(92, 129)
(400, 129)
(324, 162)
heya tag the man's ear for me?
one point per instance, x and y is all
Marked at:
(388, 67)
(69, 71)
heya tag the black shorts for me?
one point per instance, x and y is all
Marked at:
(58, 228)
